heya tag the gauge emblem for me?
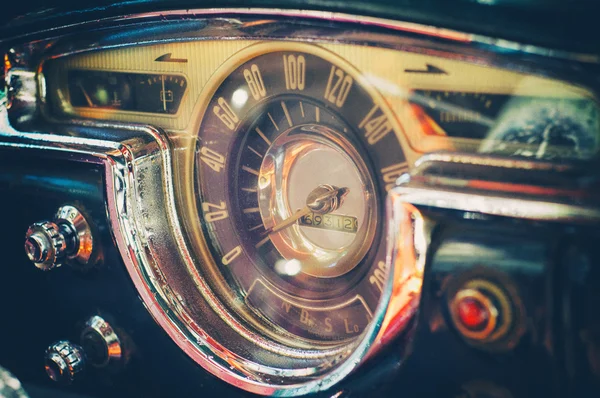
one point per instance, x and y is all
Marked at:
(295, 153)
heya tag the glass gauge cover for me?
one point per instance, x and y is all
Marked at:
(295, 153)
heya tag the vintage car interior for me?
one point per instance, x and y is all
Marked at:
(285, 198)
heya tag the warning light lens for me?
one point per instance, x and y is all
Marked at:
(472, 313)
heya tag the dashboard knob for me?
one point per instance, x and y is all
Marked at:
(101, 344)
(68, 237)
(45, 245)
(64, 361)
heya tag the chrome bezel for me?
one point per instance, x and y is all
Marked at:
(115, 355)
(137, 159)
(84, 249)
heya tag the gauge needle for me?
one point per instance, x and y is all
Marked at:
(163, 94)
(544, 145)
(322, 200)
(86, 95)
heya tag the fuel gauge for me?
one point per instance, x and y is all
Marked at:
(160, 93)
(123, 91)
(98, 89)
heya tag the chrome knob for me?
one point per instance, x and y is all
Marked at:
(45, 245)
(64, 361)
(68, 237)
(101, 344)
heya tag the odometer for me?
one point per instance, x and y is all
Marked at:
(295, 152)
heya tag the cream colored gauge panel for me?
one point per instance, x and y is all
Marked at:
(441, 104)
(394, 72)
(196, 61)
(444, 104)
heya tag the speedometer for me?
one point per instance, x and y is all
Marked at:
(295, 153)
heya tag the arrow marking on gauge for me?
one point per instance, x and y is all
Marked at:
(167, 58)
(429, 69)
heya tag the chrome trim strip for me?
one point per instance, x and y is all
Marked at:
(523, 208)
(397, 25)
(487, 160)
(401, 26)
(453, 181)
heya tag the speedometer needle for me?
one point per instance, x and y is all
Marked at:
(322, 200)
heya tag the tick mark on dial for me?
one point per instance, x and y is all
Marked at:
(262, 242)
(255, 152)
(287, 114)
(255, 228)
(249, 170)
(273, 121)
(251, 210)
(301, 109)
(317, 114)
(263, 136)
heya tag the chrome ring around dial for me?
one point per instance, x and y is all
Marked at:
(322, 244)
(295, 154)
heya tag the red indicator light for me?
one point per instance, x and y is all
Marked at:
(472, 313)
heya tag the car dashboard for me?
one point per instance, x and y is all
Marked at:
(292, 202)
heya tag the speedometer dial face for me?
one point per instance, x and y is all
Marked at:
(295, 154)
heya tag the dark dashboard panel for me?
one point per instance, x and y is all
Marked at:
(43, 307)
(551, 23)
